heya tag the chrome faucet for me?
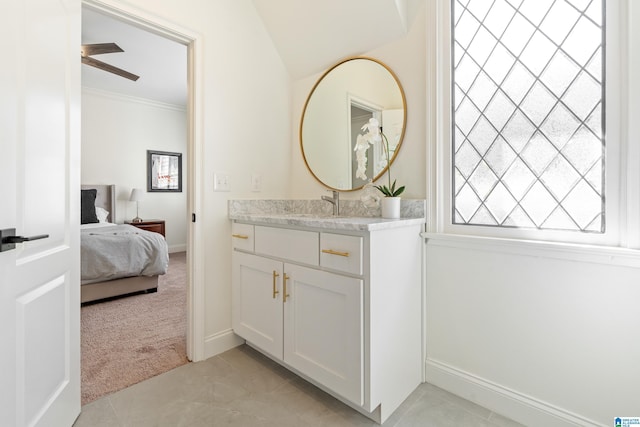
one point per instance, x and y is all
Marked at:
(335, 201)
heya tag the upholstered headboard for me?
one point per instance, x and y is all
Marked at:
(105, 198)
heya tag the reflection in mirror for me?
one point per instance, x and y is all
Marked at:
(341, 102)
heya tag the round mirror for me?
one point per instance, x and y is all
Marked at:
(341, 102)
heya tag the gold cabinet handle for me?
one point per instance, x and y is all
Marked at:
(275, 286)
(332, 252)
(284, 287)
(240, 236)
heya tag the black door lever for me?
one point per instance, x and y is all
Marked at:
(9, 239)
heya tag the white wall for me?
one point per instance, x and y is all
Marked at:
(541, 338)
(117, 131)
(245, 129)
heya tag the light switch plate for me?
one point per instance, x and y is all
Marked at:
(256, 182)
(221, 182)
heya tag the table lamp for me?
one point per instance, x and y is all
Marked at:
(136, 196)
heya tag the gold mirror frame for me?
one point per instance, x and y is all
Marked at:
(348, 151)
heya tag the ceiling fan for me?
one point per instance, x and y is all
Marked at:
(89, 50)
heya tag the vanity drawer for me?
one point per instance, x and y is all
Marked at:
(294, 245)
(340, 252)
(242, 236)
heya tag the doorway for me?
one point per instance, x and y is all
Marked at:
(185, 251)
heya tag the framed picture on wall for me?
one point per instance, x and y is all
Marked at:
(164, 171)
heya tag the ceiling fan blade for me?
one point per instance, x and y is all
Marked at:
(110, 68)
(100, 48)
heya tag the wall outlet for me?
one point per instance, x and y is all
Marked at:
(256, 182)
(221, 182)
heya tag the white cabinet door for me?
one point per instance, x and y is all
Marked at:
(257, 301)
(323, 329)
(40, 195)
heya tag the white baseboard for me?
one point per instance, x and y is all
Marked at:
(221, 342)
(178, 248)
(500, 399)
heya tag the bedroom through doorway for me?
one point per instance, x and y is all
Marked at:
(127, 339)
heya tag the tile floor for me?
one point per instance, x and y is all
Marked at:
(241, 387)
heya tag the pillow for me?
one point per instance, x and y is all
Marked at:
(102, 214)
(88, 206)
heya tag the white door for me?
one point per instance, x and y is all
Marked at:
(39, 194)
(257, 301)
(323, 329)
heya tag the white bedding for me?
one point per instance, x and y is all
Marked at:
(110, 251)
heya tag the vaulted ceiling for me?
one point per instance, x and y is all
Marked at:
(313, 35)
(309, 35)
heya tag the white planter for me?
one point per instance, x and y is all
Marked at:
(390, 207)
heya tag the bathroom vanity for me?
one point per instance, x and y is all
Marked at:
(337, 300)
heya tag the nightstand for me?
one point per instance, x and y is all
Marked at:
(155, 225)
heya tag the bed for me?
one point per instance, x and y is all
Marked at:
(116, 259)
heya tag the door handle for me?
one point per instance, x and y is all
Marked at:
(8, 239)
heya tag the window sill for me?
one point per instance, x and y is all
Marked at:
(563, 251)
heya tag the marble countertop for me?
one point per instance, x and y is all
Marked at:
(328, 222)
(317, 214)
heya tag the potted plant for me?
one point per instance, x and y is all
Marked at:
(390, 203)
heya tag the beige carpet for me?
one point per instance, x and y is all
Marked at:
(128, 340)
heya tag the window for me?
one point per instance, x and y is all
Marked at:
(528, 83)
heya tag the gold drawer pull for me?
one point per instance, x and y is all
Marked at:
(275, 286)
(240, 236)
(332, 252)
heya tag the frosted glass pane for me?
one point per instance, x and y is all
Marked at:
(583, 204)
(560, 220)
(466, 114)
(583, 41)
(538, 103)
(499, 64)
(499, 110)
(535, 10)
(500, 203)
(467, 202)
(594, 11)
(465, 29)
(538, 153)
(500, 156)
(467, 159)
(594, 67)
(484, 217)
(560, 177)
(538, 203)
(482, 91)
(519, 179)
(559, 74)
(518, 131)
(583, 95)
(559, 20)
(482, 135)
(583, 150)
(481, 46)
(479, 9)
(466, 72)
(499, 17)
(528, 113)
(483, 180)
(517, 34)
(518, 83)
(560, 126)
(538, 53)
(518, 218)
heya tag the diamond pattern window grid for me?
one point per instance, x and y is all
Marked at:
(528, 114)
